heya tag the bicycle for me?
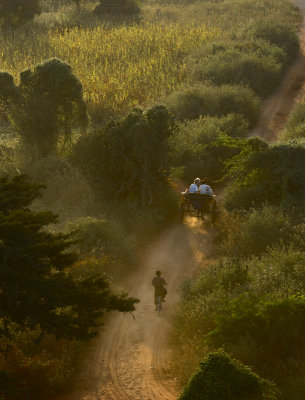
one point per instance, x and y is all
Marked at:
(159, 305)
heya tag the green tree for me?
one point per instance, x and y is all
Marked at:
(263, 173)
(37, 287)
(274, 328)
(221, 378)
(14, 13)
(133, 153)
(46, 104)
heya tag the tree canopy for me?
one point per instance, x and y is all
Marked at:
(14, 13)
(47, 103)
(37, 287)
(133, 152)
(266, 173)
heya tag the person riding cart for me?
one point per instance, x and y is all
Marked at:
(199, 200)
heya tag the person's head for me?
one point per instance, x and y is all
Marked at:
(197, 181)
(204, 181)
(158, 273)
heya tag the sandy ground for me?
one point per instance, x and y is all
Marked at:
(130, 360)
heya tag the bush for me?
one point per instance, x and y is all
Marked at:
(297, 116)
(256, 47)
(117, 7)
(14, 13)
(232, 66)
(189, 145)
(133, 154)
(281, 34)
(247, 306)
(245, 235)
(46, 104)
(221, 378)
(33, 367)
(273, 174)
(191, 103)
(100, 237)
(275, 328)
(295, 128)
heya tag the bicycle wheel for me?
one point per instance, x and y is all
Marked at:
(159, 305)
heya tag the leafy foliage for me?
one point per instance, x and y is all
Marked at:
(280, 34)
(258, 65)
(133, 153)
(192, 103)
(101, 237)
(295, 128)
(250, 308)
(36, 288)
(219, 377)
(243, 234)
(14, 13)
(273, 174)
(191, 150)
(45, 105)
(274, 327)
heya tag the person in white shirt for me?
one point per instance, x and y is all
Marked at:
(204, 188)
(194, 188)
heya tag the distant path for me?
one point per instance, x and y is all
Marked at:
(130, 359)
(276, 108)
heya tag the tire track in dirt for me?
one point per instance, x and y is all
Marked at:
(276, 108)
(131, 359)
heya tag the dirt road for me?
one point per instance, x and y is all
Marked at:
(130, 359)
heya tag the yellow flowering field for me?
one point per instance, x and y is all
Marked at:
(119, 67)
(125, 66)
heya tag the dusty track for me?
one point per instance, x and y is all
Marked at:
(275, 109)
(130, 359)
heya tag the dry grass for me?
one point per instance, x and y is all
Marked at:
(119, 67)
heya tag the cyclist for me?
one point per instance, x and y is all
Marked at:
(160, 291)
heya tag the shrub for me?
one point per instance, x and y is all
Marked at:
(219, 377)
(281, 34)
(133, 153)
(275, 328)
(245, 235)
(100, 237)
(45, 105)
(297, 116)
(117, 7)
(232, 66)
(191, 103)
(189, 143)
(257, 47)
(35, 367)
(14, 13)
(297, 132)
(273, 174)
(295, 128)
